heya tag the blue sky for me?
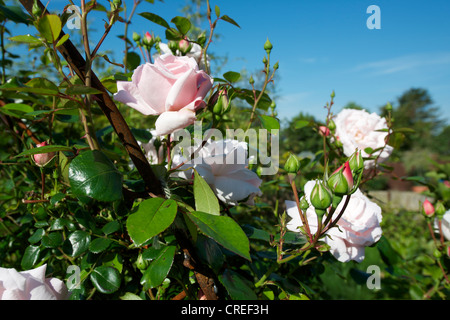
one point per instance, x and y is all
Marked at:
(325, 45)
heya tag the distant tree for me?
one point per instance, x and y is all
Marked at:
(353, 105)
(415, 110)
(297, 136)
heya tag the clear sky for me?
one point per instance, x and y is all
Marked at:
(325, 45)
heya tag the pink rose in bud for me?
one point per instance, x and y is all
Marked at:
(324, 131)
(184, 46)
(173, 88)
(41, 159)
(148, 36)
(428, 208)
(341, 180)
(447, 183)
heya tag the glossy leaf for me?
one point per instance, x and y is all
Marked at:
(44, 149)
(79, 241)
(238, 287)
(100, 244)
(152, 217)
(92, 174)
(50, 27)
(159, 268)
(183, 24)
(229, 20)
(205, 199)
(155, 18)
(269, 123)
(224, 230)
(30, 257)
(232, 76)
(106, 279)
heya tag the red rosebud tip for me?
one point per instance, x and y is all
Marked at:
(428, 208)
(324, 131)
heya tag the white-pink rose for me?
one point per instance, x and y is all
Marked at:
(359, 226)
(173, 88)
(30, 285)
(358, 129)
(42, 159)
(224, 166)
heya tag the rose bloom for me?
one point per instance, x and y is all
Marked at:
(195, 52)
(224, 166)
(173, 88)
(359, 226)
(30, 285)
(445, 225)
(357, 129)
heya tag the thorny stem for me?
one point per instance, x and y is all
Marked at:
(127, 22)
(258, 98)
(302, 216)
(87, 119)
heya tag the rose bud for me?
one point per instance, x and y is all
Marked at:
(292, 164)
(356, 162)
(428, 209)
(324, 131)
(321, 197)
(148, 40)
(42, 159)
(185, 46)
(341, 181)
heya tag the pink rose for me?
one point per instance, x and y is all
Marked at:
(359, 226)
(224, 166)
(42, 159)
(173, 88)
(30, 285)
(358, 129)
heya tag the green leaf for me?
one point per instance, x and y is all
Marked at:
(152, 217)
(159, 268)
(79, 241)
(14, 13)
(155, 18)
(106, 279)
(229, 20)
(238, 287)
(133, 60)
(37, 236)
(30, 257)
(62, 40)
(268, 122)
(111, 227)
(100, 244)
(92, 174)
(26, 38)
(388, 254)
(17, 110)
(50, 27)
(81, 89)
(232, 76)
(173, 34)
(42, 86)
(44, 149)
(183, 24)
(52, 240)
(217, 10)
(205, 199)
(224, 230)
